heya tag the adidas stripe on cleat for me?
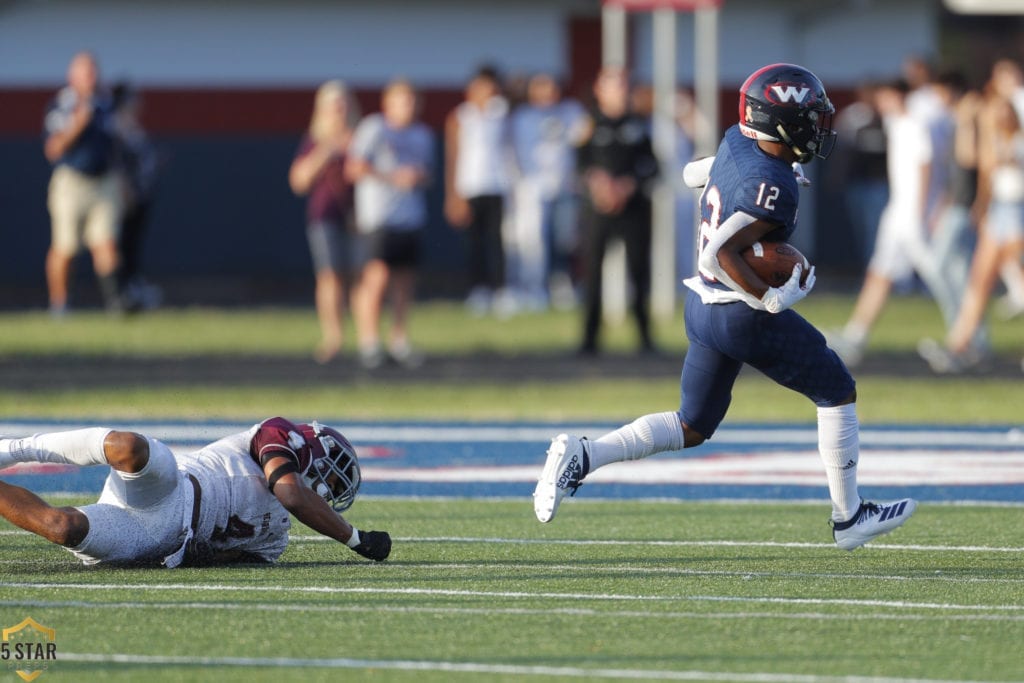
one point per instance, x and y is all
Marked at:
(563, 473)
(871, 521)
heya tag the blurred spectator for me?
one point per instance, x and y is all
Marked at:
(545, 131)
(952, 237)
(641, 103)
(516, 89)
(318, 172)
(476, 179)
(860, 167)
(616, 164)
(1001, 239)
(686, 198)
(925, 103)
(139, 167)
(922, 101)
(1007, 81)
(901, 247)
(391, 161)
(85, 199)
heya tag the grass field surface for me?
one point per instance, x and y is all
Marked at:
(440, 328)
(435, 327)
(478, 590)
(882, 400)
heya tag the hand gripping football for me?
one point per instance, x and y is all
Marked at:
(773, 261)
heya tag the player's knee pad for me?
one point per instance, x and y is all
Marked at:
(151, 485)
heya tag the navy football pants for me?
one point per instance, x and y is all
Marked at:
(783, 346)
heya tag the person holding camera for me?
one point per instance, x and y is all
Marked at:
(85, 195)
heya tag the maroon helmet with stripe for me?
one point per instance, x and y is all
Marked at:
(333, 470)
(787, 103)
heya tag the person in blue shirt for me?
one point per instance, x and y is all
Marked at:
(734, 318)
(85, 194)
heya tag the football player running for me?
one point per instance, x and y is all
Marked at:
(734, 318)
(227, 502)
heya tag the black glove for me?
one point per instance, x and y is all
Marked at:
(374, 545)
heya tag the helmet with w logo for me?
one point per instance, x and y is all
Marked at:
(333, 469)
(787, 103)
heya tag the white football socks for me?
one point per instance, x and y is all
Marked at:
(839, 446)
(82, 447)
(644, 436)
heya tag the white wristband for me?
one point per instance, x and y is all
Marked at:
(353, 540)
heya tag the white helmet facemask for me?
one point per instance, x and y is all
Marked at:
(335, 475)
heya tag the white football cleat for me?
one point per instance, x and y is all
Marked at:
(871, 521)
(563, 473)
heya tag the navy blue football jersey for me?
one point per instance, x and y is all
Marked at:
(744, 178)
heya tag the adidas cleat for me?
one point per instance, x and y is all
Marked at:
(563, 473)
(872, 520)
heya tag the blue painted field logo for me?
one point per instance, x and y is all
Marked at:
(28, 648)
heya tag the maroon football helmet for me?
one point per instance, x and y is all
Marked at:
(333, 470)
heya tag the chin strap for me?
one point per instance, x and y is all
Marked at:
(802, 157)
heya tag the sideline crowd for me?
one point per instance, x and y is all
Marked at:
(539, 183)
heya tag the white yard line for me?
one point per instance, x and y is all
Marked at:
(478, 668)
(647, 500)
(709, 543)
(509, 595)
(680, 544)
(488, 611)
(633, 569)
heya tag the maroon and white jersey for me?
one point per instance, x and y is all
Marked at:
(238, 512)
(281, 437)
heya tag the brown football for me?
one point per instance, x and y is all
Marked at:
(773, 261)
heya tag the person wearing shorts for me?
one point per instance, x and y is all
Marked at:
(85, 197)
(1000, 239)
(318, 172)
(390, 161)
(902, 246)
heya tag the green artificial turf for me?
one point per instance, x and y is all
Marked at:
(478, 590)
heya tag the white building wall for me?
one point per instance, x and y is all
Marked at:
(842, 41)
(434, 42)
(279, 43)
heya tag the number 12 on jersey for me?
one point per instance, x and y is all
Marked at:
(766, 196)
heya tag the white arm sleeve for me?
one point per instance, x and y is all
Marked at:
(696, 173)
(708, 263)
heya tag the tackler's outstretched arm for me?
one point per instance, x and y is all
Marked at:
(309, 508)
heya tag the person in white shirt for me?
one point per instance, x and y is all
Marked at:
(1000, 238)
(476, 180)
(1007, 81)
(544, 132)
(901, 246)
(390, 161)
